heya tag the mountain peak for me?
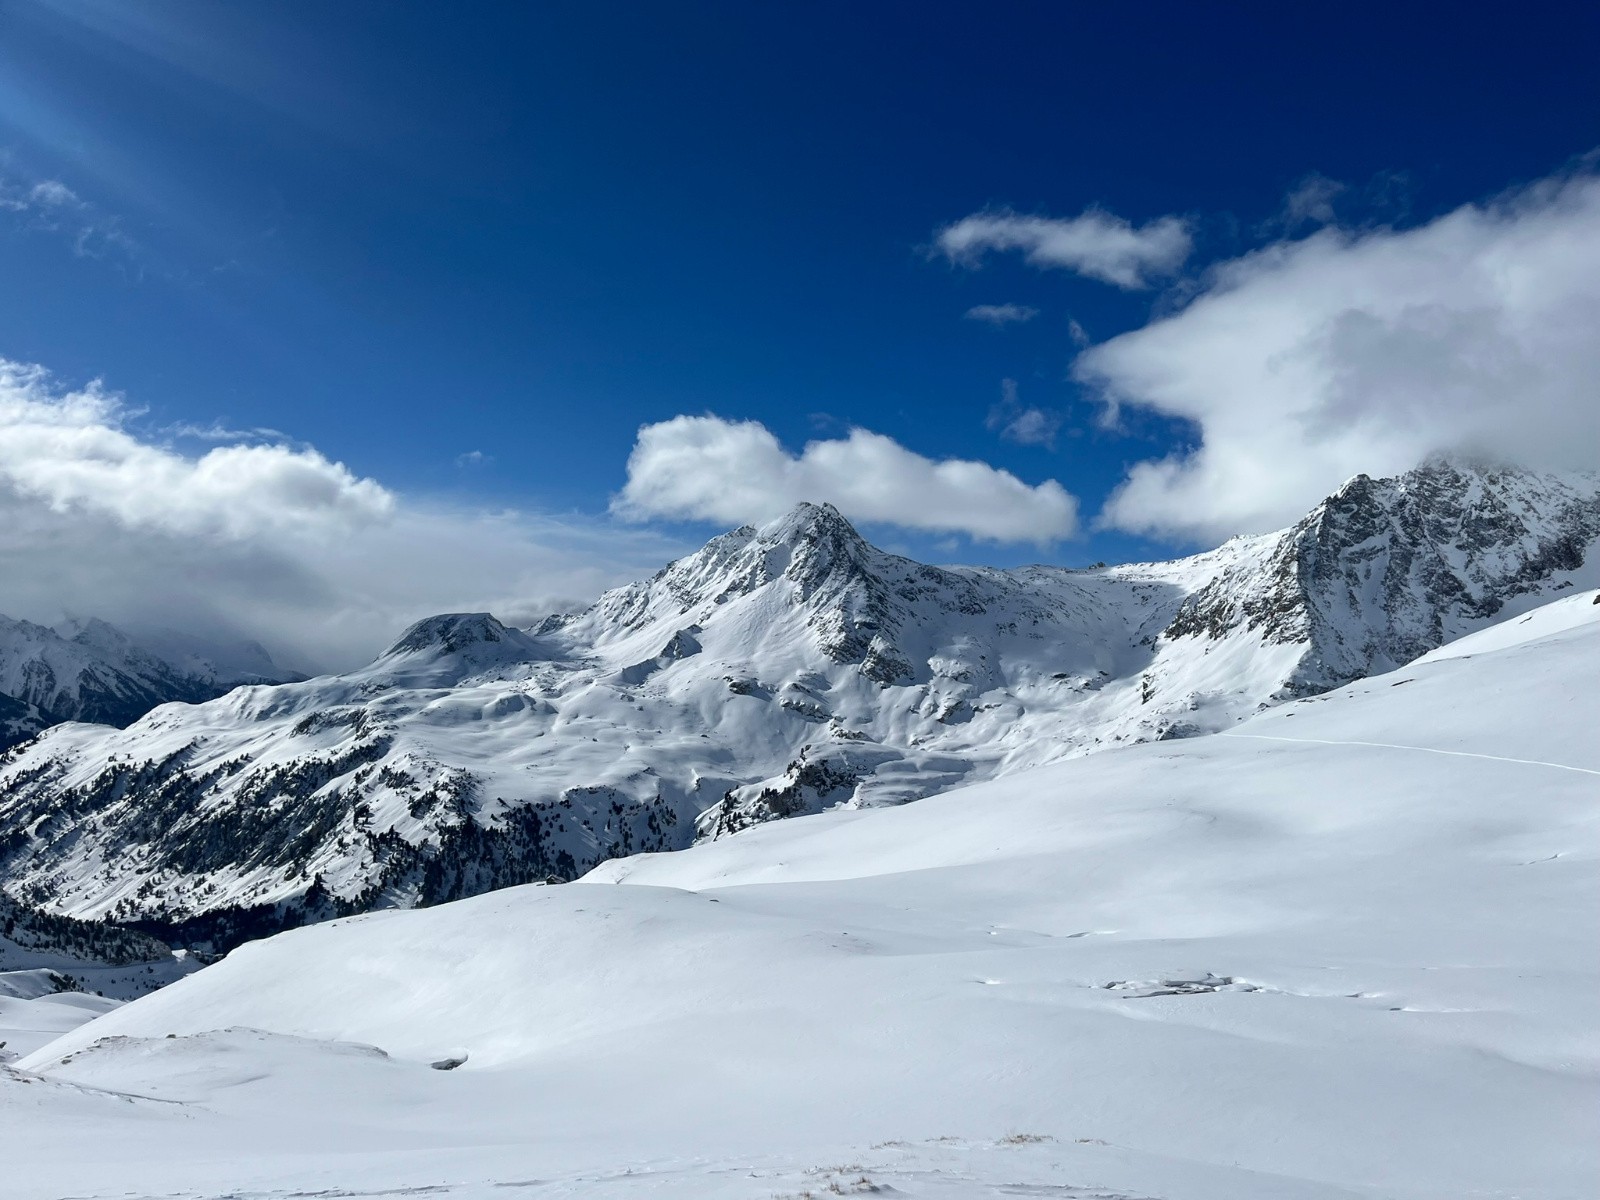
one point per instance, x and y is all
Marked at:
(450, 633)
(96, 634)
(449, 647)
(808, 522)
(817, 548)
(775, 671)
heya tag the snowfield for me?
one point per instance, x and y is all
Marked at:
(1346, 949)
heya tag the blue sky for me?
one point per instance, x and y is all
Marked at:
(467, 251)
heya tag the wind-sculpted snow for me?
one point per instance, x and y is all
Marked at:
(777, 672)
(1342, 951)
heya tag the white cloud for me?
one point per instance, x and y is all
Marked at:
(1344, 352)
(1001, 315)
(1026, 425)
(1097, 244)
(1311, 200)
(70, 453)
(707, 468)
(218, 432)
(267, 541)
(52, 193)
(48, 205)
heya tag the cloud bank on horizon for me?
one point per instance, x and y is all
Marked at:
(260, 540)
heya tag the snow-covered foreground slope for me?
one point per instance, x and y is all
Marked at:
(1347, 949)
(33, 1013)
(57, 973)
(777, 672)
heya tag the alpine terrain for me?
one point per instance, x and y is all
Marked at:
(1343, 950)
(91, 671)
(779, 671)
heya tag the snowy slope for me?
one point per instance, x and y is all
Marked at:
(56, 973)
(34, 1011)
(1570, 612)
(776, 672)
(1346, 949)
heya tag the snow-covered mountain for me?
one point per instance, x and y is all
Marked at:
(1343, 951)
(1387, 569)
(91, 671)
(20, 721)
(775, 672)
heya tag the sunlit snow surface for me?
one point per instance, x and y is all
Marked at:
(1347, 949)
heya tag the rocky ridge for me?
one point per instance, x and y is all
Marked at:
(1385, 570)
(775, 672)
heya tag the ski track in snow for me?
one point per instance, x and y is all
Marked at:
(1527, 762)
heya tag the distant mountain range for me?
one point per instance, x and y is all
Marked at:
(92, 671)
(775, 672)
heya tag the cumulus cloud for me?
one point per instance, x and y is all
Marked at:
(1313, 360)
(1001, 315)
(1027, 425)
(71, 454)
(1096, 244)
(708, 468)
(265, 541)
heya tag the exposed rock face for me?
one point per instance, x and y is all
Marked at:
(1387, 569)
(775, 672)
